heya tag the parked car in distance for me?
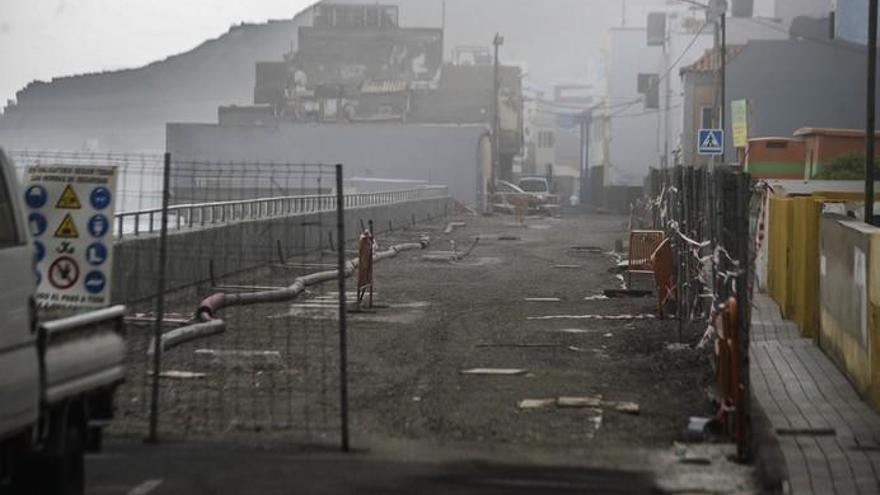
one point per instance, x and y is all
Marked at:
(541, 188)
(506, 193)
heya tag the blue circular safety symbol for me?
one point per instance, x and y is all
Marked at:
(39, 251)
(100, 198)
(96, 254)
(95, 282)
(37, 223)
(35, 196)
(98, 225)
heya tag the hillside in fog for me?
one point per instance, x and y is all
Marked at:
(127, 110)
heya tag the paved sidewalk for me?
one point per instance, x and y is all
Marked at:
(829, 437)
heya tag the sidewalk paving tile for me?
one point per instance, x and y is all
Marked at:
(800, 388)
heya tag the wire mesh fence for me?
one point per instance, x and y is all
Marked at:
(237, 228)
(231, 231)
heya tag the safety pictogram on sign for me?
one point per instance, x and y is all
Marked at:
(68, 199)
(67, 229)
(35, 196)
(63, 273)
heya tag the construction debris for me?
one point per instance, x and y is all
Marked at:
(535, 403)
(646, 316)
(596, 297)
(452, 226)
(618, 293)
(519, 344)
(627, 407)
(181, 375)
(578, 402)
(494, 371)
(586, 250)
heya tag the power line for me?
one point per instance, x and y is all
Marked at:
(671, 67)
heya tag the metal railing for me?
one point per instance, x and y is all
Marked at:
(200, 215)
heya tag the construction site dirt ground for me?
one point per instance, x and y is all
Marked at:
(418, 422)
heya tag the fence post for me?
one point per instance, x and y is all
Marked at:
(343, 344)
(160, 304)
(742, 240)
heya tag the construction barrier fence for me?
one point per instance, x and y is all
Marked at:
(710, 219)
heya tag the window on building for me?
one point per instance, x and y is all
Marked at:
(390, 16)
(707, 117)
(546, 139)
(372, 17)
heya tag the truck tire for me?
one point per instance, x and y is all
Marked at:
(65, 470)
(57, 471)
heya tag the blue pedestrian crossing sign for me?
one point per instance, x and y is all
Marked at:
(710, 142)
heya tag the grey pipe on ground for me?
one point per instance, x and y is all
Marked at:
(208, 323)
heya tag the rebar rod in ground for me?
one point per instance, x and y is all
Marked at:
(160, 302)
(340, 272)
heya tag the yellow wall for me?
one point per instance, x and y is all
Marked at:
(793, 281)
(793, 256)
(849, 331)
(874, 322)
(778, 240)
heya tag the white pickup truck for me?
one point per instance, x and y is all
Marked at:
(56, 378)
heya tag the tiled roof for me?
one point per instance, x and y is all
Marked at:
(710, 61)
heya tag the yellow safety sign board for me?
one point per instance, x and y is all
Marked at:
(68, 199)
(67, 229)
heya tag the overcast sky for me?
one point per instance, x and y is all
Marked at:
(41, 39)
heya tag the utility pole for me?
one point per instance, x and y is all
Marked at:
(667, 45)
(723, 114)
(496, 115)
(870, 111)
(716, 12)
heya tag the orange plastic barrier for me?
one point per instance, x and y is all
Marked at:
(663, 265)
(642, 244)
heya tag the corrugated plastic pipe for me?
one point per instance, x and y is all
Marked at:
(209, 324)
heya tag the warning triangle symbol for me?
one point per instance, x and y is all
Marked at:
(67, 229)
(68, 199)
(710, 141)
